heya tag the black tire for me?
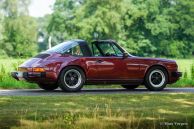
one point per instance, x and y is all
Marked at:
(71, 79)
(156, 78)
(48, 87)
(129, 87)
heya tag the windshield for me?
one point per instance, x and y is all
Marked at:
(62, 47)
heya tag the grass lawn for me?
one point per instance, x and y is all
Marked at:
(185, 65)
(118, 111)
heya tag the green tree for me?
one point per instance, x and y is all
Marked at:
(104, 19)
(20, 30)
(43, 22)
(144, 27)
(60, 25)
(164, 21)
(2, 52)
(1, 27)
(183, 15)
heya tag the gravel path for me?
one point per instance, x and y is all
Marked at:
(39, 92)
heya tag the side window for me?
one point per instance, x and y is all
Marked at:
(74, 51)
(95, 51)
(107, 49)
(110, 49)
(117, 50)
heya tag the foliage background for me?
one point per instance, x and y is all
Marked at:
(162, 28)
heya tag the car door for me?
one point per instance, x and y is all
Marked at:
(129, 67)
(114, 66)
(107, 62)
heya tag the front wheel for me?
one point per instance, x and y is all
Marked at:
(156, 79)
(71, 79)
(129, 87)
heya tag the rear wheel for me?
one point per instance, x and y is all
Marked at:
(48, 87)
(156, 78)
(71, 79)
(129, 87)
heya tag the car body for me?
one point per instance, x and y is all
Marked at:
(100, 62)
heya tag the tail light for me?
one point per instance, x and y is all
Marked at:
(31, 69)
(38, 69)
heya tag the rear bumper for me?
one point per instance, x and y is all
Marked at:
(27, 75)
(34, 76)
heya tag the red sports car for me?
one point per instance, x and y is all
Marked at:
(74, 63)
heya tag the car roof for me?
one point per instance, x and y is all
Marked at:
(80, 41)
(83, 42)
(107, 40)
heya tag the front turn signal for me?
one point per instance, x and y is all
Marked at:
(38, 70)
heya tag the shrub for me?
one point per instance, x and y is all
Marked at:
(3, 70)
(192, 71)
(185, 74)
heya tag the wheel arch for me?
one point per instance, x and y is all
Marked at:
(157, 65)
(72, 66)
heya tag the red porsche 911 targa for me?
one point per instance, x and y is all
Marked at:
(74, 63)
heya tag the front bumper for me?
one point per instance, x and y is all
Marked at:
(174, 77)
(177, 74)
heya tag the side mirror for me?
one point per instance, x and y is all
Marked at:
(125, 55)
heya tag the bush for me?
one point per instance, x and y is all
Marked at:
(192, 71)
(185, 74)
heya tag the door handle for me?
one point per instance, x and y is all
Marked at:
(99, 61)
